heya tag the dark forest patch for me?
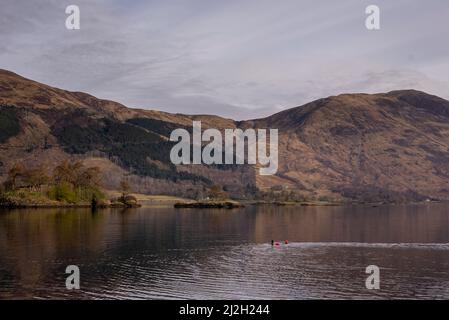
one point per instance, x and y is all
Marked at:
(131, 144)
(9, 123)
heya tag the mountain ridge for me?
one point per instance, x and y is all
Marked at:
(365, 147)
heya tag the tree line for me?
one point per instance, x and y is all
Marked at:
(69, 181)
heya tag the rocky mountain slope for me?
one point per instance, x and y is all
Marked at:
(381, 147)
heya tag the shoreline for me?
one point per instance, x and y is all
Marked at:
(66, 205)
(212, 204)
(180, 203)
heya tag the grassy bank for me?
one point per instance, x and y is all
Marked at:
(46, 199)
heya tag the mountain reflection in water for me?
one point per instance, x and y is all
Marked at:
(166, 253)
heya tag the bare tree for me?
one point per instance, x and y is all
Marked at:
(15, 173)
(216, 192)
(125, 187)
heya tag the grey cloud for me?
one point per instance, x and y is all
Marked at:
(236, 58)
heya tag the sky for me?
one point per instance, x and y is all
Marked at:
(235, 58)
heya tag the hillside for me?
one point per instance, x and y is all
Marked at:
(381, 147)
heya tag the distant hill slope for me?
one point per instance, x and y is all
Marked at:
(381, 147)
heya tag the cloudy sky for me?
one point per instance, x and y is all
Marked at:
(235, 58)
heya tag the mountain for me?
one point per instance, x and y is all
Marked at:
(381, 147)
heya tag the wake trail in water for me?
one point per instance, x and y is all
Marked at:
(384, 245)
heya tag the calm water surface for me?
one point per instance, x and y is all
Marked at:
(165, 253)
